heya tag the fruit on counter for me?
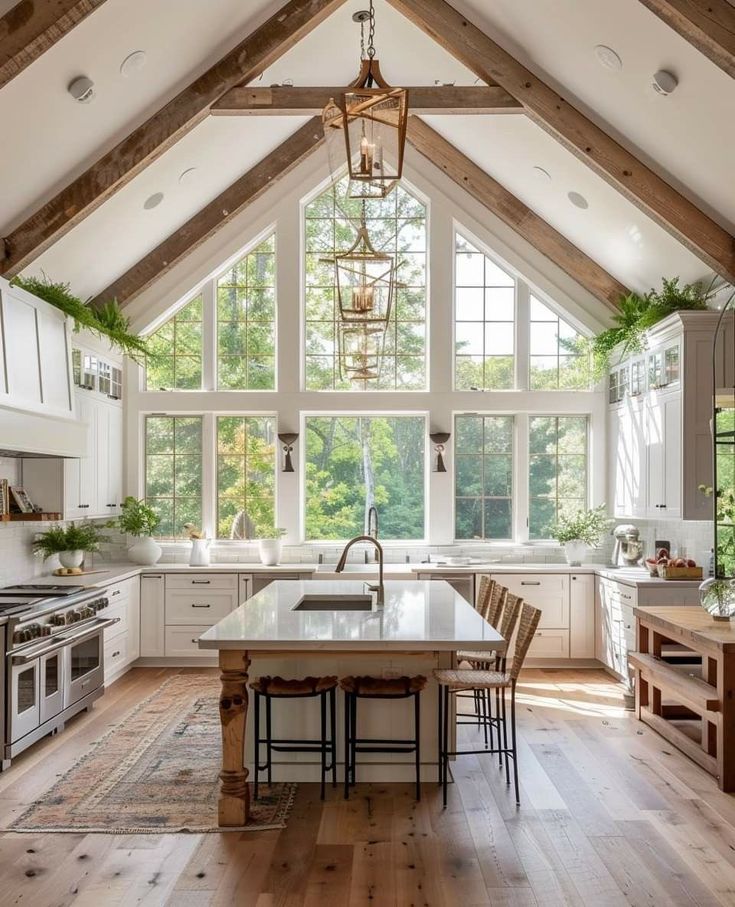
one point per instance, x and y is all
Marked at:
(68, 571)
(663, 560)
(691, 562)
(662, 552)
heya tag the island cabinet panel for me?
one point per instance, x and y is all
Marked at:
(152, 606)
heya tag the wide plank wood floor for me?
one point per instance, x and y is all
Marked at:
(611, 814)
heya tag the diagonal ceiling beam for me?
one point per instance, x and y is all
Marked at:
(707, 24)
(32, 27)
(113, 170)
(514, 213)
(296, 101)
(243, 192)
(614, 163)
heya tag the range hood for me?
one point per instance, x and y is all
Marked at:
(37, 413)
(24, 434)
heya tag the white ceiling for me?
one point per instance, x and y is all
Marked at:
(688, 134)
(611, 230)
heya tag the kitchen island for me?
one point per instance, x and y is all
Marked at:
(289, 623)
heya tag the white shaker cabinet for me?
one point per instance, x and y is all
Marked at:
(664, 441)
(152, 608)
(582, 615)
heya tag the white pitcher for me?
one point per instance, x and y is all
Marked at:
(199, 553)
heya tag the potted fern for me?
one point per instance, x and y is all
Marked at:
(139, 520)
(70, 543)
(579, 531)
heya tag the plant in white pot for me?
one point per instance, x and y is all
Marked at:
(70, 543)
(270, 548)
(581, 530)
(139, 520)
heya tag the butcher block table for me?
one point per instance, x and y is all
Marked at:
(692, 705)
(293, 621)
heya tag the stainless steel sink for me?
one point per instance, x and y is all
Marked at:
(315, 602)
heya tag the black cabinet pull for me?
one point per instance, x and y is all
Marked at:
(201, 606)
(201, 582)
(528, 582)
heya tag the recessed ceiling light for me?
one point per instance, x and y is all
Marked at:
(541, 173)
(186, 176)
(153, 201)
(81, 89)
(578, 200)
(133, 63)
(608, 58)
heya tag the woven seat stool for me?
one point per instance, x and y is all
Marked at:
(270, 688)
(458, 680)
(394, 688)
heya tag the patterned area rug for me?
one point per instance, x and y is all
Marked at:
(155, 772)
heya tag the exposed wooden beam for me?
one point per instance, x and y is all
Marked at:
(614, 163)
(513, 212)
(31, 27)
(707, 24)
(257, 52)
(298, 101)
(209, 220)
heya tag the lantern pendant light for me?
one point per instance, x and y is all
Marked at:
(366, 281)
(368, 122)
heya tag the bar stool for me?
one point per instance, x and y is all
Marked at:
(269, 688)
(453, 681)
(379, 688)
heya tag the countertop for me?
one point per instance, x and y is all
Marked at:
(417, 616)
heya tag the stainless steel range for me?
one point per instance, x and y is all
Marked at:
(54, 659)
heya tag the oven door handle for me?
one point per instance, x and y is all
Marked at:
(33, 654)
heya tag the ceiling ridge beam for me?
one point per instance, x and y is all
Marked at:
(708, 25)
(515, 213)
(608, 158)
(228, 204)
(259, 50)
(286, 100)
(32, 27)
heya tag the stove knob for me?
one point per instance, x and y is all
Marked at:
(73, 616)
(45, 630)
(102, 603)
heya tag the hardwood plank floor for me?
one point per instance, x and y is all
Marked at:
(611, 815)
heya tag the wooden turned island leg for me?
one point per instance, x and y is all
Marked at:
(234, 797)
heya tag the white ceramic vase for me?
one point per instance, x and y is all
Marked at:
(270, 552)
(145, 551)
(199, 556)
(71, 558)
(575, 551)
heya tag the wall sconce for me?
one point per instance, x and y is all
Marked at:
(439, 439)
(288, 439)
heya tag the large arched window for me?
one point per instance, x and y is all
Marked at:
(396, 225)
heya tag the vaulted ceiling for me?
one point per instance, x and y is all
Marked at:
(686, 139)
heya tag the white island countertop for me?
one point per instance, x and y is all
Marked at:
(417, 616)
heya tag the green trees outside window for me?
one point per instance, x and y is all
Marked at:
(354, 462)
(557, 482)
(558, 356)
(178, 348)
(483, 477)
(246, 476)
(246, 321)
(173, 472)
(484, 321)
(397, 225)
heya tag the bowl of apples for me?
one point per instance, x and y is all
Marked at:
(669, 568)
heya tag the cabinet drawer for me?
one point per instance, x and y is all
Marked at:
(116, 654)
(549, 644)
(618, 593)
(203, 608)
(548, 591)
(121, 612)
(201, 581)
(182, 642)
(118, 592)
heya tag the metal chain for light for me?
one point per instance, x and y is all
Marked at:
(371, 32)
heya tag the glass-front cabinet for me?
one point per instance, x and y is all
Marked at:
(93, 373)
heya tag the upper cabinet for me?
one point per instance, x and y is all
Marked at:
(34, 354)
(659, 434)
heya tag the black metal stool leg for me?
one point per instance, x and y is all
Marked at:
(323, 739)
(439, 738)
(499, 713)
(353, 740)
(256, 745)
(505, 740)
(333, 730)
(513, 740)
(445, 747)
(348, 710)
(417, 728)
(269, 737)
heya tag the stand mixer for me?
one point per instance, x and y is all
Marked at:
(628, 550)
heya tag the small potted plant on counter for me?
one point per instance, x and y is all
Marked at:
(139, 520)
(579, 531)
(270, 548)
(70, 543)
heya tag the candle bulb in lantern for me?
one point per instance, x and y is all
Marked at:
(367, 154)
(362, 298)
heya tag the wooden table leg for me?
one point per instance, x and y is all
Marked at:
(234, 797)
